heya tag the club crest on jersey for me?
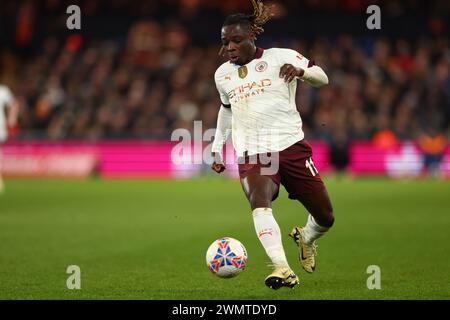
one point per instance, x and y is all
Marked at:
(242, 71)
(261, 66)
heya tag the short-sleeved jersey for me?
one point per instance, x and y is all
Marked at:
(5, 100)
(264, 114)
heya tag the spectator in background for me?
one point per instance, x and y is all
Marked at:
(339, 151)
(155, 76)
(433, 145)
(384, 138)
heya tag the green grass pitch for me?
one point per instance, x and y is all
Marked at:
(148, 239)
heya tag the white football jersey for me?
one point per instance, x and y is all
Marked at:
(264, 113)
(5, 100)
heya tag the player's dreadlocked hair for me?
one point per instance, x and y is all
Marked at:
(255, 22)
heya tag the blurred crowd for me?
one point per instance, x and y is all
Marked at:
(158, 76)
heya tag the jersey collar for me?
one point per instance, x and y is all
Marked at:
(259, 52)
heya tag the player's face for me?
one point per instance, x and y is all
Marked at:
(239, 44)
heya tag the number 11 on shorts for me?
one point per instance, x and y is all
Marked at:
(310, 165)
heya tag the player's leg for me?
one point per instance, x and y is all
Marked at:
(303, 182)
(319, 207)
(260, 191)
(320, 220)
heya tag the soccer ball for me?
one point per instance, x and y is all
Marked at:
(226, 257)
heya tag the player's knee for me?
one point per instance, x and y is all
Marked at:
(330, 220)
(329, 216)
(325, 220)
(258, 200)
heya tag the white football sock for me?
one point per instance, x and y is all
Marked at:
(313, 231)
(269, 234)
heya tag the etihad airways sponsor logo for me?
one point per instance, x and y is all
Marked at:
(249, 89)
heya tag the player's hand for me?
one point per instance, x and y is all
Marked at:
(289, 72)
(218, 165)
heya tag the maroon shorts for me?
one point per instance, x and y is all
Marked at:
(296, 170)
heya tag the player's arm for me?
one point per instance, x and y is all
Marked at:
(314, 75)
(298, 67)
(223, 129)
(13, 113)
